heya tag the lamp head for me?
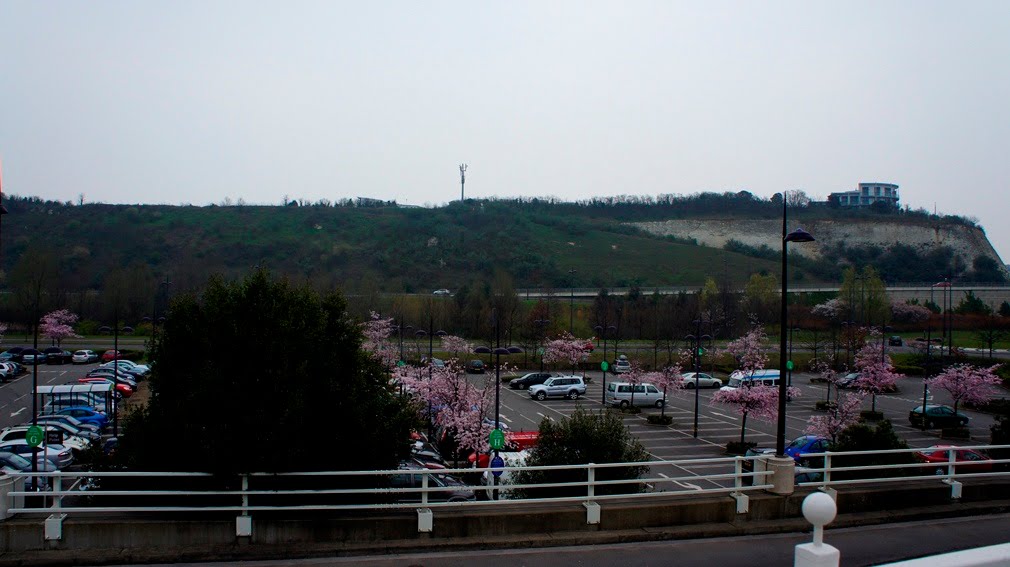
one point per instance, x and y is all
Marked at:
(799, 235)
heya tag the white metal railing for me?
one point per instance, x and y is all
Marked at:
(114, 492)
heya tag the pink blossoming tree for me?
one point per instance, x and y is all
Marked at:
(377, 331)
(455, 345)
(58, 325)
(876, 372)
(844, 414)
(748, 350)
(669, 379)
(565, 348)
(829, 375)
(967, 383)
(759, 401)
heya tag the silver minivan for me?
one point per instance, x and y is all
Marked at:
(623, 394)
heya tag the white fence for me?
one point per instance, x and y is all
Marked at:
(110, 493)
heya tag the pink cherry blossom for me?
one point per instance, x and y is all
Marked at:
(876, 372)
(760, 401)
(842, 415)
(455, 345)
(565, 348)
(748, 350)
(58, 325)
(377, 332)
(967, 383)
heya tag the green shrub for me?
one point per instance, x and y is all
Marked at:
(871, 437)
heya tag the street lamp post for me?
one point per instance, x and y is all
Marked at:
(154, 319)
(571, 303)
(431, 333)
(798, 235)
(789, 371)
(602, 329)
(497, 352)
(695, 341)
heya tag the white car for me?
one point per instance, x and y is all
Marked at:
(129, 367)
(621, 365)
(442, 291)
(570, 387)
(84, 357)
(694, 380)
(59, 455)
(19, 432)
(512, 459)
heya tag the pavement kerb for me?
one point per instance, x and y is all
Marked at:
(420, 545)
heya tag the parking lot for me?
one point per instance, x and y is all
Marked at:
(15, 395)
(719, 424)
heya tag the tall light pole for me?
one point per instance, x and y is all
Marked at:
(571, 303)
(695, 341)
(798, 235)
(462, 180)
(602, 329)
(541, 326)
(497, 352)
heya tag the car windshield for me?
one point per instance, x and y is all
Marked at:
(797, 442)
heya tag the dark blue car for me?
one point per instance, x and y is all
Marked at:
(806, 444)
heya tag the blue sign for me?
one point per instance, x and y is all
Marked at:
(496, 465)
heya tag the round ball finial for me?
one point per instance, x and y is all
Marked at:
(819, 509)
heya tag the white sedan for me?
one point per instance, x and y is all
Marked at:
(84, 357)
(694, 380)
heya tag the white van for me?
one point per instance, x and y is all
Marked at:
(740, 378)
(619, 394)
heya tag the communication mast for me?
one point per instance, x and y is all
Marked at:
(462, 180)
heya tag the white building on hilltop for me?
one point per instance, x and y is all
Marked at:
(866, 195)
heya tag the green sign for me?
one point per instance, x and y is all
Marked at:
(34, 436)
(701, 351)
(604, 366)
(496, 439)
(789, 365)
(401, 363)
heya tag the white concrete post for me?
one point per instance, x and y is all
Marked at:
(424, 488)
(591, 482)
(742, 500)
(243, 523)
(819, 509)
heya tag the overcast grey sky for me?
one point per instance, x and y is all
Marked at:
(195, 101)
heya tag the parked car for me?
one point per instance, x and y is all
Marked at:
(19, 432)
(56, 355)
(694, 380)
(623, 394)
(68, 429)
(969, 460)
(12, 354)
(848, 381)
(84, 415)
(129, 366)
(894, 340)
(16, 462)
(512, 459)
(475, 367)
(530, 379)
(59, 455)
(937, 416)
(621, 365)
(32, 356)
(570, 387)
(800, 447)
(120, 376)
(122, 388)
(442, 291)
(8, 371)
(111, 355)
(803, 472)
(84, 357)
(71, 421)
(442, 487)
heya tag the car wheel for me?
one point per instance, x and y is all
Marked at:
(541, 396)
(689, 385)
(624, 404)
(939, 471)
(930, 424)
(716, 385)
(573, 395)
(660, 404)
(523, 386)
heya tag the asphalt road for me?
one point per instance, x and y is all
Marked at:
(867, 545)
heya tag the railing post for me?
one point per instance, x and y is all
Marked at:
(425, 519)
(742, 500)
(592, 508)
(819, 509)
(53, 529)
(826, 478)
(243, 523)
(955, 486)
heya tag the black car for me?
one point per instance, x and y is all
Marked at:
(475, 367)
(13, 354)
(531, 379)
(894, 340)
(937, 416)
(56, 355)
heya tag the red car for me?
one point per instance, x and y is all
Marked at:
(973, 461)
(514, 441)
(110, 355)
(123, 389)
